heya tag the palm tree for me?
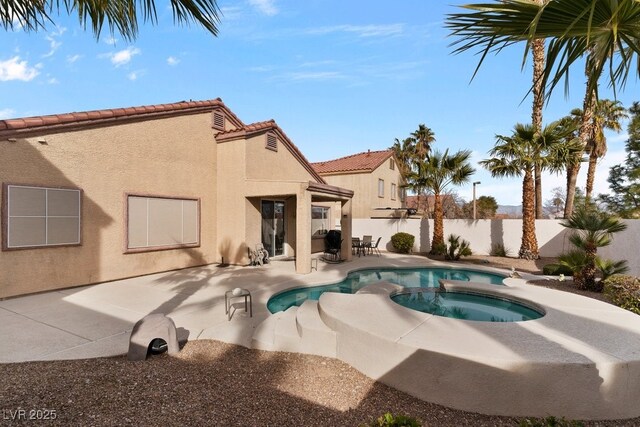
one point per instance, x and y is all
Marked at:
(518, 155)
(423, 138)
(120, 15)
(606, 31)
(435, 173)
(593, 230)
(607, 115)
(404, 154)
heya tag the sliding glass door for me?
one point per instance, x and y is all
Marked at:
(273, 227)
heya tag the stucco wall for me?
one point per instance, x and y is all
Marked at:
(167, 157)
(365, 188)
(552, 237)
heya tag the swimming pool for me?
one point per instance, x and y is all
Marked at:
(409, 278)
(465, 305)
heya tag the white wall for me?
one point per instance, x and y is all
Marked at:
(481, 234)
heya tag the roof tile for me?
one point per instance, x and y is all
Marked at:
(362, 162)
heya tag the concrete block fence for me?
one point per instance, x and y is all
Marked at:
(481, 234)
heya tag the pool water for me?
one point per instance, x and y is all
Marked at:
(467, 306)
(410, 278)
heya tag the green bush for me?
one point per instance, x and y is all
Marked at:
(390, 420)
(457, 248)
(549, 422)
(403, 242)
(556, 270)
(624, 291)
(498, 249)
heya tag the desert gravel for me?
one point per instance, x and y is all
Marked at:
(218, 384)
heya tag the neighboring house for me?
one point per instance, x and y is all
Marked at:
(102, 195)
(375, 180)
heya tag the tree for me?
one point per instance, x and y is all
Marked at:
(605, 31)
(423, 138)
(624, 179)
(436, 173)
(486, 208)
(121, 16)
(607, 115)
(592, 230)
(517, 155)
(554, 206)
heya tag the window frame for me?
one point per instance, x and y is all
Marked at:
(327, 217)
(392, 164)
(380, 187)
(394, 189)
(5, 218)
(128, 250)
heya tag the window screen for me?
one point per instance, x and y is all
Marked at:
(393, 191)
(381, 188)
(158, 222)
(41, 216)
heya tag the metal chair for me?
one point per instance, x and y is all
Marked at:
(355, 245)
(374, 248)
(366, 244)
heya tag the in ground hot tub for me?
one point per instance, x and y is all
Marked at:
(465, 305)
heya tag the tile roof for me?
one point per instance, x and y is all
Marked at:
(361, 162)
(91, 118)
(249, 130)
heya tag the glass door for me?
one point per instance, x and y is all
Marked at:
(273, 227)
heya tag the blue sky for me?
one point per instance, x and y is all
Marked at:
(339, 77)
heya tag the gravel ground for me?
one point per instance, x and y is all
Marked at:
(213, 383)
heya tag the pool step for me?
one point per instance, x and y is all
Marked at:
(298, 330)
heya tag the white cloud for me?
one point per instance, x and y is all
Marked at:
(231, 13)
(111, 41)
(53, 81)
(73, 58)
(316, 75)
(266, 7)
(360, 30)
(122, 57)
(172, 60)
(15, 69)
(135, 75)
(54, 43)
(6, 113)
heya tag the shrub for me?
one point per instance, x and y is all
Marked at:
(403, 242)
(624, 291)
(457, 248)
(498, 249)
(390, 420)
(556, 270)
(439, 249)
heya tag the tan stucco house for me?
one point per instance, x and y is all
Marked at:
(374, 178)
(101, 195)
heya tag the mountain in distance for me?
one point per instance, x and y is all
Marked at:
(511, 211)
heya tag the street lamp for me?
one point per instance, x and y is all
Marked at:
(474, 198)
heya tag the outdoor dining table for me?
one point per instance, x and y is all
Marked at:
(360, 245)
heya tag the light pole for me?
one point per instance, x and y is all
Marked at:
(474, 198)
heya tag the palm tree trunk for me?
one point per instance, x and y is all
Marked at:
(529, 246)
(438, 227)
(586, 130)
(536, 114)
(591, 173)
(587, 275)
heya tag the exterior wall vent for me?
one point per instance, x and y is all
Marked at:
(218, 120)
(272, 142)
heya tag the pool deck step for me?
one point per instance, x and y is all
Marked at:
(297, 330)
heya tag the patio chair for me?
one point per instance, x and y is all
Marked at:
(366, 244)
(374, 248)
(355, 245)
(333, 245)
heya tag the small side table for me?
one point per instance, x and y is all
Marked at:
(228, 302)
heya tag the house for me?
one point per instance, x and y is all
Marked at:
(95, 196)
(374, 178)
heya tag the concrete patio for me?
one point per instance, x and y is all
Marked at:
(96, 320)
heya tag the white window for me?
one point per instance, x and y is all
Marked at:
(319, 220)
(155, 223)
(393, 191)
(381, 188)
(41, 216)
